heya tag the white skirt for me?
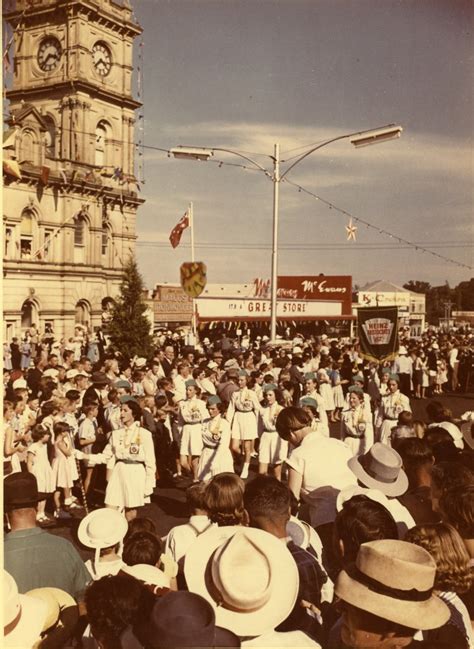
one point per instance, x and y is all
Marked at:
(386, 430)
(360, 445)
(338, 394)
(273, 449)
(325, 390)
(191, 440)
(244, 425)
(214, 461)
(126, 487)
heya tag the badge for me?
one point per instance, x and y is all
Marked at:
(361, 427)
(134, 449)
(193, 278)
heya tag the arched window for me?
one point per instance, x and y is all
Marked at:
(28, 147)
(79, 231)
(26, 233)
(83, 313)
(29, 314)
(101, 133)
(81, 238)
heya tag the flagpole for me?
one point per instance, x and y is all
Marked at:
(191, 222)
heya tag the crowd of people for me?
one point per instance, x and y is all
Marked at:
(357, 531)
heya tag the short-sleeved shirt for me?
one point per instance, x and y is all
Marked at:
(36, 559)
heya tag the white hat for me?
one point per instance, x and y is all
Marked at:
(354, 490)
(23, 616)
(19, 383)
(247, 574)
(71, 374)
(139, 362)
(102, 528)
(402, 350)
(297, 350)
(303, 535)
(435, 346)
(51, 372)
(148, 574)
(212, 365)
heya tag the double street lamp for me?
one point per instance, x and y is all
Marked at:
(358, 139)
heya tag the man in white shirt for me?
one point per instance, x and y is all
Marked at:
(403, 366)
(453, 366)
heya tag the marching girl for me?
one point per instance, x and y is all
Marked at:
(64, 468)
(393, 403)
(273, 449)
(326, 392)
(133, 476)
(310, 406)
(242, 414)
(37, 463)
(192, 412)
(216, 456)
(356, 428)
(338, 394)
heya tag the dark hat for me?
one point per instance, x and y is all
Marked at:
(20, 490)
(100, 378)
(179, 619)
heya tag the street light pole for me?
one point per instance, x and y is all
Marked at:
(358, 139)
(274, 276)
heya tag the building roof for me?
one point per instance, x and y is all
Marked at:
(383, 286)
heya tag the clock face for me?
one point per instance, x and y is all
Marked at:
(49, 54)
(102, 59)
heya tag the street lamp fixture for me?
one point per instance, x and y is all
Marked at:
(360, 139)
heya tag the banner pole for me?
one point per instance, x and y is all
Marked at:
(193, 320)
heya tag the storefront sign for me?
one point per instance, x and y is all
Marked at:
(371, 298)
(171, 304)
(257, 309)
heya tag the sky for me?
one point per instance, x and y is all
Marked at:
(246, 74)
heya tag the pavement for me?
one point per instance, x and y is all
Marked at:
(168, 504)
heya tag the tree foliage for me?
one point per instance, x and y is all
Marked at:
(460, 298)
(129, 328)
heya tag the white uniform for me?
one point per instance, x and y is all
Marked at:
(192, 412)
(242, 414)
(357, 430)
(392, 405)
(133, 476)
(325, 390)
(323, 415)
(273, 449)
(216, 456)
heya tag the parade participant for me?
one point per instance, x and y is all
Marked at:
(38, 464)
(133, 476)
(356, 429)
(338, 394)
(403, 367)
(310, 406)
(326, 392)
(311, 390)
(179, 382)
(216, 456)
(273, 450)
(191, 414)
(242, 414)
(418, 461)
(393, 403)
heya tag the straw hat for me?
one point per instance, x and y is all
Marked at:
(23, 616)
(394, 580)
(102, 528)
(148, 574)
(380, 468)
(247, 574)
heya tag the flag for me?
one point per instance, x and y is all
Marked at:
(45, 175)
(177, 231)
(378, 332)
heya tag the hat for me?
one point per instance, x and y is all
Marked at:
(356, 389)
(126, 398)
(297, 350)
(20, 490)
(180, 619)
(102, 528)
(121, 383)
(139, 363)
(402, 350)
(148, 574)
(394, 580)
(434, 346)
(19, 383)
(231, 364)
(355, 490)
(213, 400)
(309, 401)
(380, 468)
(56, 600)
(191, 383)
(358, 377)
(394, 377)
(212, 365)
(247, 574)
(51, 373)
(268, 387)
(100, 378)
(309, 376)
(303, 535)
(23, 616)
(243, 373)
(71, 374)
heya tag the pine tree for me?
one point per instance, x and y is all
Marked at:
(129, 328)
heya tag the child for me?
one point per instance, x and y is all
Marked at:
(64, 469)
(338, 394)
(87, 436)
(104, 531)
(38, 464)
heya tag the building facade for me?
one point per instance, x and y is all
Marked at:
(70, 193)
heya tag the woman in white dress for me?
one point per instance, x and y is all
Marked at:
(191, 414)
(133, 477)
(216, 456)
(356, 429)
(310, 406)
(393, 403)
(273, 449)
(242, 414)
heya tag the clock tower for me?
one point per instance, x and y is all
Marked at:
(70, 191)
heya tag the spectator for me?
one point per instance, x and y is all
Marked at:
(418, 460)
(104, 531)
(223, 500)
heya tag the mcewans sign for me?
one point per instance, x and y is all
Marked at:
(311, 287)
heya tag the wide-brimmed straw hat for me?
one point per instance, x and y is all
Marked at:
(394, 580)
(380, 468)
(23, 616)
(248, 575)
(102, 528)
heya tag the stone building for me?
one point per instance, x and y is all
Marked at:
(70, 193)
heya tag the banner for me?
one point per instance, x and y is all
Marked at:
(193, 278)
(378, 332)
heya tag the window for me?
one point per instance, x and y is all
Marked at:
(82, 313)
(105, 239)
(8, 241)
(48, 243)
(26, 234)
(79, 228)
(100, 143)
(27, 152)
